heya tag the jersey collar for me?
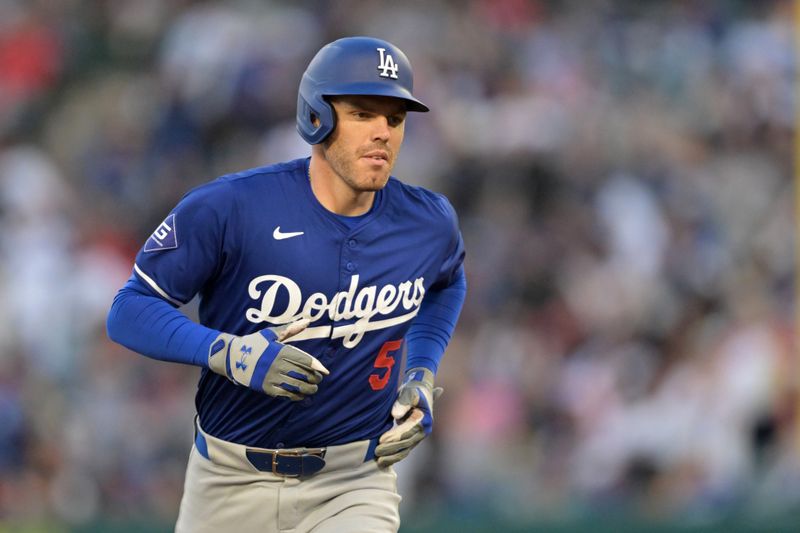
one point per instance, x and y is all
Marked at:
(377, 205)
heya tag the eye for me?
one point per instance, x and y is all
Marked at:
(362, 114)
(396, 120)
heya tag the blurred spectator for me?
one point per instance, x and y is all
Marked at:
(623, 175)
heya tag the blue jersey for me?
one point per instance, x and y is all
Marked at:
(261, 251)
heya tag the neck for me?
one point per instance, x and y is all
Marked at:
(332, 191)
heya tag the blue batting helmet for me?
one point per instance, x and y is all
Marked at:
(353, 65)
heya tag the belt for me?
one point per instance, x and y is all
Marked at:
(285, 462)
(289, 462)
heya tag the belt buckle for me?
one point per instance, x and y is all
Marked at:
(293, 452)
(285, 453)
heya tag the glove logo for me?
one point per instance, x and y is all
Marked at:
(387, 66)
(241, 364)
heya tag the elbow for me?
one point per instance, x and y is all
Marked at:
(461, 279)
(112, 329)
(114, 324)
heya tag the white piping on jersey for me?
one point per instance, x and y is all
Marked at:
(155, 286)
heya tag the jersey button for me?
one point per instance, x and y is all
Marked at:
(307, 402)
(351, 243)
(279, 445)
(349, 266)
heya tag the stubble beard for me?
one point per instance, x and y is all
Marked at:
(346, 168)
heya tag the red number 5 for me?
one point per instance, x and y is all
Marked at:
(384, 360)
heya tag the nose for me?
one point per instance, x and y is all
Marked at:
(381, 131)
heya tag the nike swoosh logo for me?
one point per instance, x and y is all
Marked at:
(278, 235)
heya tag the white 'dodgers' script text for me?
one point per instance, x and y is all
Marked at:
(362, 304)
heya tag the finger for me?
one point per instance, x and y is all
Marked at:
(402, 434)
(296, 370)
(384, 450)
(302, 374)
(302, 359)
(399, 410)
(292, 384)
(408, 398)
(318, 367)
(274, 390)
(389, 460)
(402, 431)
(310, 364)
(293, 329)
(437, 392)
(395, 447)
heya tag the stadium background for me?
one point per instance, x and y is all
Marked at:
(623, 175)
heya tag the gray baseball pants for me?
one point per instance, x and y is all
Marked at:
(225, 492)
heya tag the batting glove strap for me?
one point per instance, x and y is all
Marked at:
(263, 364)
(218, 355)
(420, 375)
(416, 391)
(244, 360)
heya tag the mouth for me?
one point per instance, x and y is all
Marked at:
(377, 157)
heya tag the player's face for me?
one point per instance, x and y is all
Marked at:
(363, 147)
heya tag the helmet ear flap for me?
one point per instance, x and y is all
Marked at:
(315, 119)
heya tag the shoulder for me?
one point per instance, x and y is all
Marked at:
(277, 171)
(421, 201)
(229, 188)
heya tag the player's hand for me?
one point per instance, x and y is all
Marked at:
(263, 363)
(413, 412)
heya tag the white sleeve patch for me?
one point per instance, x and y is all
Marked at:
(165, 237)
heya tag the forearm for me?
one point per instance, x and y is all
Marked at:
(433, 327)
(150, 326)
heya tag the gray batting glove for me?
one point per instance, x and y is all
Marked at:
(263, 363)
(413, 412)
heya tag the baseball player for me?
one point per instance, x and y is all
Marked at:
(314, 276)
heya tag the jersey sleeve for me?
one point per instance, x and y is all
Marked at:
(431, 330)
(430, 333)
(454, 254)
(187, 249)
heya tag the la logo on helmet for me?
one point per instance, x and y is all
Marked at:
(387, 67)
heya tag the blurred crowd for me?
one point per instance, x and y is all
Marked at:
(623, 175)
